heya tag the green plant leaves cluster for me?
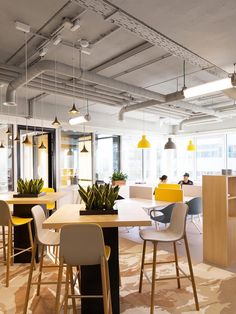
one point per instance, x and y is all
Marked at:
(99, 197)
(33, 186)
(119, 176)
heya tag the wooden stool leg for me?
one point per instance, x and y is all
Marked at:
(104, 286)
(31, 241)
(4, 243)
(176, 265)
(58, 293)
(108, 288)
(153, 276)
(66, 290)
(191, 273)
(30, 277)
(9, 249)
(142, 267)
(72, 289)
(40, 270)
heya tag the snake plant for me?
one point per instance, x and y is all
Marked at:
(33, 186)
(99, 197)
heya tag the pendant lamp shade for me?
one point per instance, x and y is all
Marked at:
(170, 144)
(1, 145)
(84, 149)
(56, 122)
(70, 152)
(42, 146)
(26, 140)
(8, 131)
(143, 143)
(73, 110)
(191, 147)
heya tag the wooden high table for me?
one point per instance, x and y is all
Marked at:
(22, 208)
(130, 213)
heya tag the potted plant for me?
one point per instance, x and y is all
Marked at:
(99, 199)
(119, 178)
(29, 188)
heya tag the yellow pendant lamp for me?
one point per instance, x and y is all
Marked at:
(143, 143)
(191, 147)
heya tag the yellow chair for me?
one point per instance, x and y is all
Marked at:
(9, 221)
(169, 195)
(49, 206)
(169, 186)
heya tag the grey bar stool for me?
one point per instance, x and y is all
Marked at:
(9, 221)
(174, 233)
(43, 238)
(83, 245)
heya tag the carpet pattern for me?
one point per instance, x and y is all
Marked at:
(216, 288)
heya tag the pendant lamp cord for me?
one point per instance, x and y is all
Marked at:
(184, 74)
(73, 65)
(26, 81)
(41, 102)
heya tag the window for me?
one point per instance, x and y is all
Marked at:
(210, 155)
(141, 165)
(107, 156)
(231, 151)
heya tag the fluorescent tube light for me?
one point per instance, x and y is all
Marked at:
(57, 40)
(207, 88)
(76, 25)
(22, 27)
(43, 51)
(80, 119)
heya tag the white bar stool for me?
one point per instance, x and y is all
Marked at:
(174, 233)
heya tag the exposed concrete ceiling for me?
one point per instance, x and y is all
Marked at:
(206, 28)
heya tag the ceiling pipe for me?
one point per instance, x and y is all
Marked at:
(47, 78)
(141, 105)
(63, 69)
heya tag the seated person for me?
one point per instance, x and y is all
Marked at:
(186, 180)
(163, 179)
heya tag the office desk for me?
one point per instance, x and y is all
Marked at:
(22, 208)
(130, 214)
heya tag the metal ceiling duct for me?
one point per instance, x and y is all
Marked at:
(63, 69)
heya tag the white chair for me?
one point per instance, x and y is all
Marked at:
(81, 245)
(174, 233)
(43, 238)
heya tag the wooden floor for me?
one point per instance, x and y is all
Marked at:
(194, 237)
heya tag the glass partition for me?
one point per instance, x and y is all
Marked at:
(6, 157)
(36, 158)
(76, 158)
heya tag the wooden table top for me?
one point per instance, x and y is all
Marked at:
(130, 213)
(44, 199)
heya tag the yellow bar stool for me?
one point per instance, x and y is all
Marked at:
(9, 221)
(43, 238)
(49, 206)
(75, 251)
(172, 234)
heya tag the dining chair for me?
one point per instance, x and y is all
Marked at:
(195, 209)
(166, 214)
(174, 232)
(90, 250)
(9, 221)
(43, 238)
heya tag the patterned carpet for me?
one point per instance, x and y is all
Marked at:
(216, 288)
